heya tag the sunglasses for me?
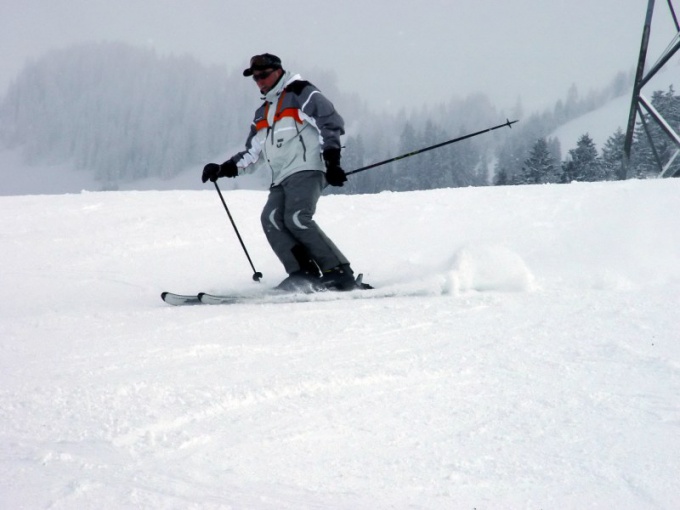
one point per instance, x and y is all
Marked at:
(263, 75)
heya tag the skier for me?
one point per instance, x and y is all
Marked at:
(296, 135)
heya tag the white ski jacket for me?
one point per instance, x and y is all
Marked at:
(290, 131)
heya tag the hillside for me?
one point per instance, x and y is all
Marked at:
(528, 356)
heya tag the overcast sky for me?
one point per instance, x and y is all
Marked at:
(394, 53)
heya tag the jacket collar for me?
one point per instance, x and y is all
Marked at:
(287, 78)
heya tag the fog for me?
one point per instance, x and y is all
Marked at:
(391, 54)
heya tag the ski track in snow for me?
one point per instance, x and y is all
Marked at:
(526, 356)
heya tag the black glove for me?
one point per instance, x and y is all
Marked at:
(228, 169)
(210, 172)
(213, 171)
(335, 175)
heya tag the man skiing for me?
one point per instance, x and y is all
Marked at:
(296, 136)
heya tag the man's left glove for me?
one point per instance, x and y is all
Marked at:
(335, 175)
(213, 171)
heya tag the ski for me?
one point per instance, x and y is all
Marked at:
(269, 296)
(180, 299)
(266, 298)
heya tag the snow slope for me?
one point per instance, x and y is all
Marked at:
(529, 360)
(602, 123)
(599, 124)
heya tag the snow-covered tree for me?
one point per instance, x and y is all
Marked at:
(612, 155)
(583, 162)
(501, 178)
(405, 172)
(436, 165)
(353, 158)
(122, 112)
(646, 157)
(541, 167)
(469, 168)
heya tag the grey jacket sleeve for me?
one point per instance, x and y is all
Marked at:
(249, 158)
(320, 112)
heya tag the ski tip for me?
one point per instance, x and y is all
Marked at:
(359, 281)
(179, 299)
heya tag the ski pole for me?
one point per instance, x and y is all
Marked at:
(507, 123)
(256, 274)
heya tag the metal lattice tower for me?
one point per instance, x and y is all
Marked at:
(640, 102)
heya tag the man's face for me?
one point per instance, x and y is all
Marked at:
(266, 79)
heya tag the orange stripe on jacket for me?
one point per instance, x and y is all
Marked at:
(294, 113)
(288, 112)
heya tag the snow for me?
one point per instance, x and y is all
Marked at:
(17, 177)
(602, 123)
(528, 358)
(599, 124)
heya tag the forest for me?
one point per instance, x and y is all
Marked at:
(126, 113)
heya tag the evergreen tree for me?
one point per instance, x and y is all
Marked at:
(121, 112)
(541, 166)
(467, 164)
(647, 159)
(501, 177)
(555, 149)
(571, 107)
(583, 163)
(436, 169)
(612, 155)
(126, 113)
(405, 171)
(353, 158)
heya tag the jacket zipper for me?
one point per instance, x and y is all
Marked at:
(302, 142)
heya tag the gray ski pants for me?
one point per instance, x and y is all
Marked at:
(287, 222)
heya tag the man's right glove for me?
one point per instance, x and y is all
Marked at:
(335, 175)
(213, 171)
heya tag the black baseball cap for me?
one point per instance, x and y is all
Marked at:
(261, 62)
